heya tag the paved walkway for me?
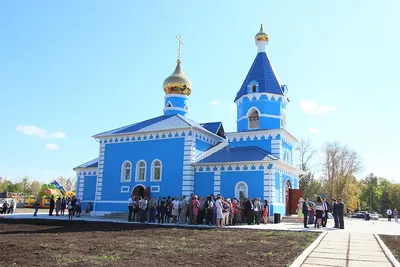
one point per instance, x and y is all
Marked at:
(347, 249)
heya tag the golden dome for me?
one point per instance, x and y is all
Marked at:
(177, 82)
(261, 35)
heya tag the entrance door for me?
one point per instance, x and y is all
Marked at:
(294, 196)
(139, 191)
(288, 186)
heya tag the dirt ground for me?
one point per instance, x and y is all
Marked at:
(43, 243)
(393, 243)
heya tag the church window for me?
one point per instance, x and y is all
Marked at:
(156, 171)
(254, 119)
(126, 172)
(141, 171)
(287, 156)
(241, 190)
(253, 88)
(169, 105)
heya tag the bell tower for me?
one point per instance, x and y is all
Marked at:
(261, 100)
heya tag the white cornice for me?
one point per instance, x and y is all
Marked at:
(176, 108)
(261, 116)
(257, 96)
(281, 165)
(176, 95)
(258, 135)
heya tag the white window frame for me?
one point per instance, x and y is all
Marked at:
(248, 117)
(287, 156)
(138, 171)
(124, 189)
(155, 189)
(237, 194)
(123, 172)
(250, 86)
(153, 170)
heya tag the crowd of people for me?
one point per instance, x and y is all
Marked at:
(212, 210)
(319, 211)
(71, 204)
(8, 207)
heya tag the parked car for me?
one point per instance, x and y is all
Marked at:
(374, 216)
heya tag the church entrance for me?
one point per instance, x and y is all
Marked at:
(288, 186)
(139, 191)
(292, 197)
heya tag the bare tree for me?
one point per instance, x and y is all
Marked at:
(305, 151)
(340, 164)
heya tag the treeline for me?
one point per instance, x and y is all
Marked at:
(339, 166)
(28, 187)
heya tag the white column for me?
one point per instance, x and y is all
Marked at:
(276, 148)
(189, 154)
(80, 186)
(280, 188)
(217, 183)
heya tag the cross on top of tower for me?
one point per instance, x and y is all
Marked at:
(179, 48)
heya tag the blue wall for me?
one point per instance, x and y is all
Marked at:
(201, 146)
(168, 151)
(177, 102)
(253, 179)
(89, 188)
(204, 183)
(285, 147)
(277, 187)
(120, 207)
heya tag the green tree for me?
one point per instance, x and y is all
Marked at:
(26, 185)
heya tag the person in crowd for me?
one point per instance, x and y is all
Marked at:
(334, 213)
(130, 207)
(239, 212)
(319, 211)
(63, 206)
(5, 207)
(396, 215)
(209, 209)
(58, 206)
(89, 208)
(195, 207)
(326, 208)
(184, 210)
(169, 210)
(142, 209)
(52, 204)
(250, 211)
(162, 207)
(175, 209)
(305, 209)
(152, 209)
(257, 211)
(12, 207)
(190, 209)
(389, 214)
(78, 207)
(265, 212)
(200, 216)
(300, 210)
(340, 213)
(70, 207)
(220, 215)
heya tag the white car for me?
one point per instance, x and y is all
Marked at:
(374, 216)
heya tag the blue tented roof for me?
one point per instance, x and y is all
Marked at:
(90, 164)
(212, 126)
(165, 122)
(238, 154)
(262, 72)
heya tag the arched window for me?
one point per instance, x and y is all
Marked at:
(156, 169)
(126, 171)
(254, 119)
(287, 156)
(141, 171)
(253, 88)
(241, 191)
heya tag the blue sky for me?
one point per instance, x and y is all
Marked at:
(73, 69)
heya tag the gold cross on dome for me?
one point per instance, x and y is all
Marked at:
(180, 43)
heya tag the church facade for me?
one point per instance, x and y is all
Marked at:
(172, 155)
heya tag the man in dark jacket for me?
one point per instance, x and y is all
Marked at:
(305, 212)
(52, 203)
(250, 211)
(334, 213)
(340, 213)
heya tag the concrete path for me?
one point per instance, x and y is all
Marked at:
(348, 250)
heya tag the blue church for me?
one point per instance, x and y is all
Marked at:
(172, 155)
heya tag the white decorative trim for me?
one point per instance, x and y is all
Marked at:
(258, 135)
(124, 189)
(217, 183)
(260, 115)
(188, 169)
(233, 166)
(133, 189)
(257, 96)
(237, 195)
(123, 172)
(176, 95)
(170, 104)
(155, 189)
(175, 108)
(86, 171)
(143, 136)
(152, 171)
(137, 171)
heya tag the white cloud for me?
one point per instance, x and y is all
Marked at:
(215, 102)
(312, 107)
(51, 146)
(40, 132)
(314, 130)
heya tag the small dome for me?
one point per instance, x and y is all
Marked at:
(261, 35)
(177, 82)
